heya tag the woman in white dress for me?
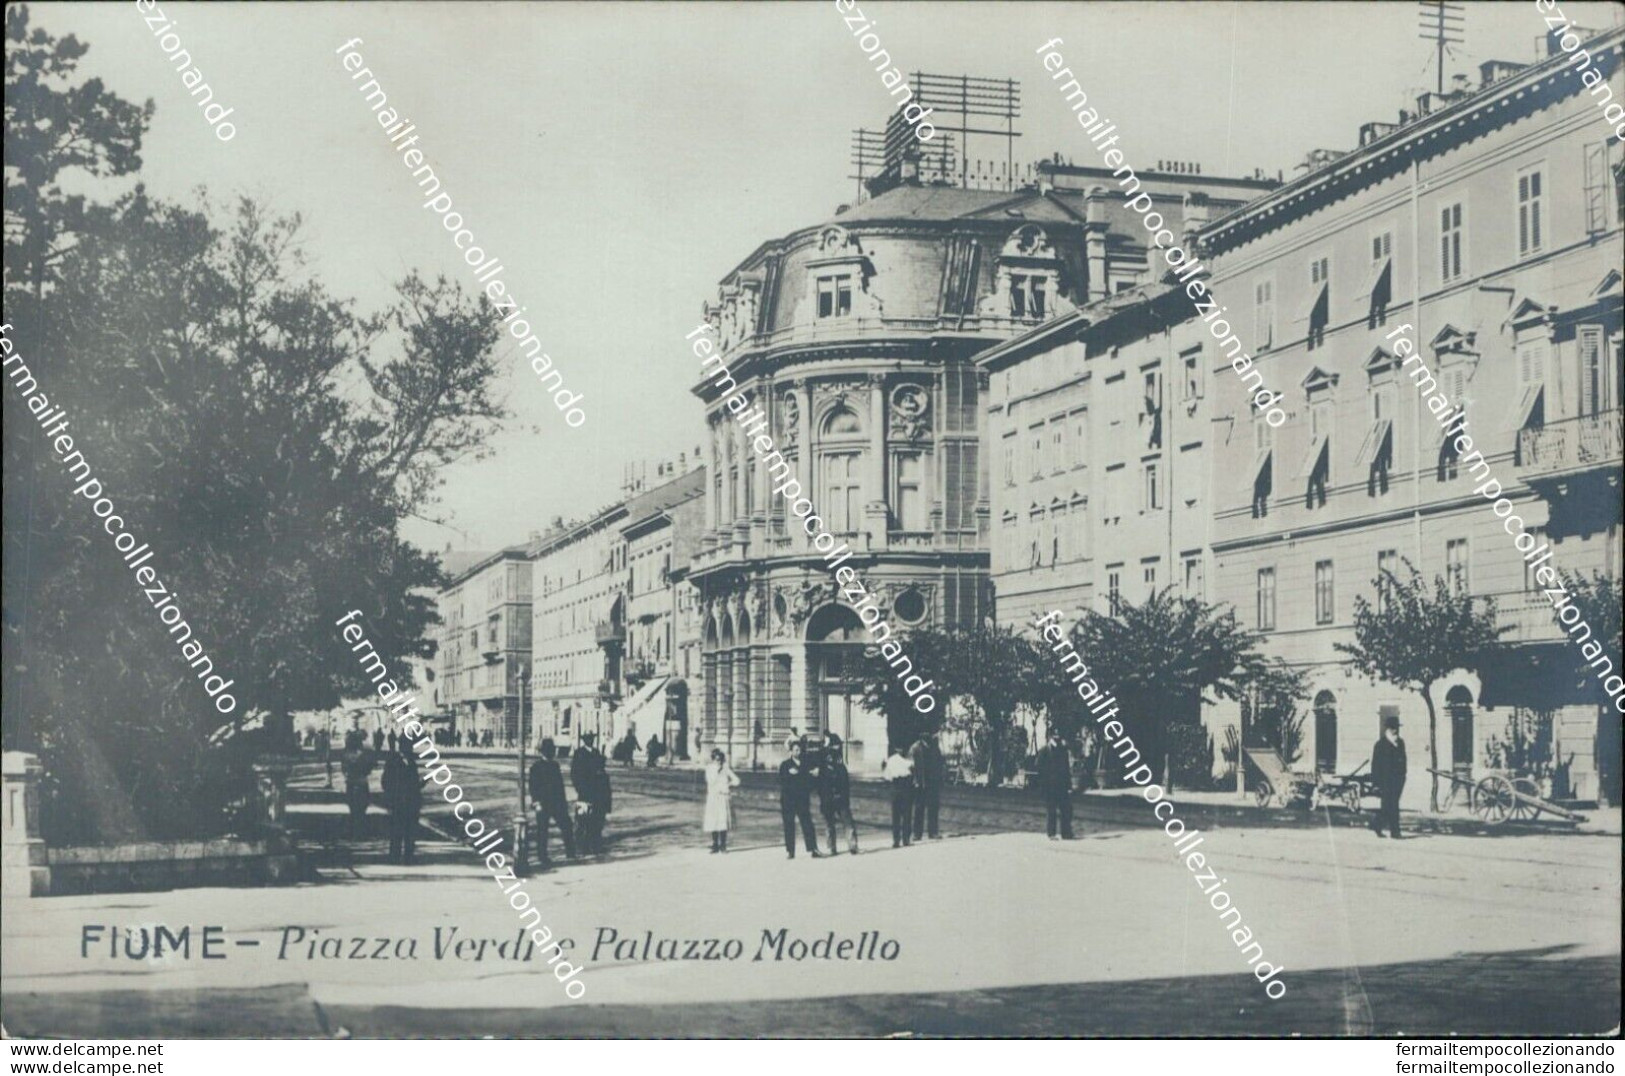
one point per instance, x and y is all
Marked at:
(720, 781)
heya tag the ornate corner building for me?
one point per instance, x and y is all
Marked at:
(858, 337)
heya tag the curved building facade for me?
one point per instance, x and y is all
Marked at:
(856, 338)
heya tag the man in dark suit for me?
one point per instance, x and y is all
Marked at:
(1388, 770)
(795, 800)
(403, 796)
(1055, 784)
(590, 777)
(835, 796)
(928, 777)
(552, 807)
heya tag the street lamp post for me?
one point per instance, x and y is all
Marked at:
(521, 827)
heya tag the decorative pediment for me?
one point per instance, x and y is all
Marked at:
(1453, 341)
(1529, 311)
(1381, 361)
(1608, 285)
(1028, 243)
(1030, 279)
(1318, 380)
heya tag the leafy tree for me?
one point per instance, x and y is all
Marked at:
(267, 442)
(928, 651)
(1420, 636)
(1599, 599)
(1163, 659)
(989, 673)
(54, 126)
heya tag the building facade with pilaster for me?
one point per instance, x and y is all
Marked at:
(485, 650)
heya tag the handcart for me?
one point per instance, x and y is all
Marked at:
(1500, 796)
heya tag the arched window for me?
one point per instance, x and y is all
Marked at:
(1459, 705)
(840, 465)
(1326, 732)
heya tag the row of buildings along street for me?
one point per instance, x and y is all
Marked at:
(1003, 404)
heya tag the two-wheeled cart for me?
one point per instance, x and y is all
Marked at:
(1498, 797)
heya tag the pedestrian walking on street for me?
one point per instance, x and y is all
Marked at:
(357, 766)
(835, 797)
(926, 757)
(720, 782)
(1388, 770)
(654, 751)
(403, 796)
(795, 800)
(898, 772)
(589, 774)
(551, 805)
(1055, 784)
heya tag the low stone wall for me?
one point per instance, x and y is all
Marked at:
(126, 868)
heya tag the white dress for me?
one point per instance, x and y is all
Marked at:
(720, 781)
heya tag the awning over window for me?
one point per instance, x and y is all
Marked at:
(1529, 407)
(1376, 277)
(1376, 441)
(1312, 459)
(1260, 461)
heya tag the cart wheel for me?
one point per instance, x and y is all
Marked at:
(1521, 811)
(1351, 798)
(1493, 800)
(1264, 793)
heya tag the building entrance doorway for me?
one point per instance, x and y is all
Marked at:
(835, 644)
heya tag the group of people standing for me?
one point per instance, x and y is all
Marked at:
(401, 783)
(589, 776)
(915, 776)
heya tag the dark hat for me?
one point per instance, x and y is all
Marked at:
(589, 737)
(1391, 721)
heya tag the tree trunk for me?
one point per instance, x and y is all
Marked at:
(1433, 748)
(994, 755)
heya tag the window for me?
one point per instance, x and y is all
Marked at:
(1602, 184)
(1148, 575)
(1080, 439)
(1195, 583)
(1325, 597)
(1114, 502)
(1320, 277)
(1191, 387)
(1387, 564)
(1266, 599)
(909, 494)
(843, 492)
(1038, 451)
(1057, 444)
(1263, 315)
(1532, 364)
(1151, 487)
(1456, 566)
(1380, 281)
(1151, 408)
(1594, 389)
(834, 296)
(1319, 464)
(1009, 446)
(1450, 229)
(1027, 296)
(1529, 211)
(1114, 589)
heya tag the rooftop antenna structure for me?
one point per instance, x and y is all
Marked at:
(964, 98)
(868, 157)
(1445, 24)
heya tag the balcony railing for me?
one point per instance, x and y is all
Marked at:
(1569, 445)
(609, 631)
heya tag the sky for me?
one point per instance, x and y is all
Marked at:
(621, 158)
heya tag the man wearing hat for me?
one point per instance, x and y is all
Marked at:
(1388, 770)
(591, 780)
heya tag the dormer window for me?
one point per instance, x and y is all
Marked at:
(835, 295)
(1028, 279)
(1027, 293)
